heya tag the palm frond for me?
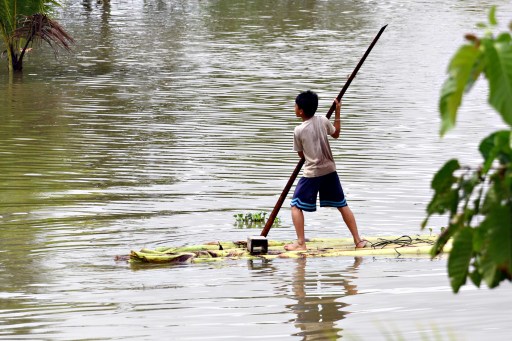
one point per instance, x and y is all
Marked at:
(7, 15)
(12, 10)
(39, 27)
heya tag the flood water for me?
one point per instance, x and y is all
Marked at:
(171, 116)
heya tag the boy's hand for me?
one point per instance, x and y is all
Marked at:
(337, 123)
(338, 105)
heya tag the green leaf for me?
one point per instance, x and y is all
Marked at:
(498, 144)
(479, 239)
(492, 16)
(504, 38)
(498, 71)
(445, 198)
(443, 202)
(443, 238)
(463, 69)
(496, 245)
(489, 271)
(468, 184)
(491, 199)
(476, 278)
(444, 179)
(460, 257)
(487, 145)
(500, 236)
(476, 71)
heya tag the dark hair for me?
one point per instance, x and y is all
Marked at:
(308, 102)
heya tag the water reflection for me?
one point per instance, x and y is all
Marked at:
(104, 56)
(285, 17)
(319, 307)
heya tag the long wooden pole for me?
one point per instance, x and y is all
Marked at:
(297, 169)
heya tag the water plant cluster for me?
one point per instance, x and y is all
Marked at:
(254, 220)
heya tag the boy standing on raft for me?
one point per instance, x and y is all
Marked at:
(310, 142)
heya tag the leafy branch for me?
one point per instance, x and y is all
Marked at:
(478, 201)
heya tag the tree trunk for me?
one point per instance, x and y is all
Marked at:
(17, 65)
(16, 60)
(9, 59)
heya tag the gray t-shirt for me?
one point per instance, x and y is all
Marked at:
(311, 138)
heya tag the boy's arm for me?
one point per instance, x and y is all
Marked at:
(337, 122)
(297, 144)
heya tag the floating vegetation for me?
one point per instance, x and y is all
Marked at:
(254, 220)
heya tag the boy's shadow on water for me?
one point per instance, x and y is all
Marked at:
(318, 311)
(318, 307)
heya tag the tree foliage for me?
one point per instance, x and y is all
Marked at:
(478, 201)
(24, 22)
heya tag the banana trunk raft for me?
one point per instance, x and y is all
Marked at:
(327, 247)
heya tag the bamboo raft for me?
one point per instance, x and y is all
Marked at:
(391, 246)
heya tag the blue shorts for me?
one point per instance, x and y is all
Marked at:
(307, 189)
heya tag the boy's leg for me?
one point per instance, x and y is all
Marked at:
(331, 195)
(298, 222)
(304, 199)
(350, 221)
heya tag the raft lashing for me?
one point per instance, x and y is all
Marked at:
(392, 246)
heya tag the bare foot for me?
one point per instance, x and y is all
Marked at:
(361, 244)
(295, 247)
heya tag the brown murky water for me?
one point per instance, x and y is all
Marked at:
(171, 116)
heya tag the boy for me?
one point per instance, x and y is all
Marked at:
(310, 142)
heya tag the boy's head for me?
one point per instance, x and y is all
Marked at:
(307, 101)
